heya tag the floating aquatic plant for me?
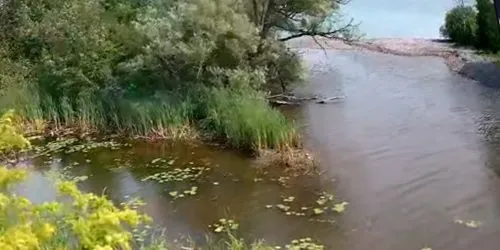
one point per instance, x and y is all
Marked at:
(181, 194)
(177, 174)
(224, 225)
(289, 199)
(304, 244)
(469, 223)
(340, 207)
(318, 211)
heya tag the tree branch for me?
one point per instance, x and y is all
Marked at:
(332, 34)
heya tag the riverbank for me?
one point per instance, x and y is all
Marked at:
(465, 61)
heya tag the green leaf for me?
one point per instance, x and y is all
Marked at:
(283, 207)
(171, 162)
(340, 207)
(318, 211)
(473, 224)
(155, 160)
(321, 202)
(218, 229)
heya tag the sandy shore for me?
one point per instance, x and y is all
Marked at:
(461, 60)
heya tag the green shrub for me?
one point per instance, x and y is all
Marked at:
(460, 25)
(488, 33)
(245, 120)
(127, 67)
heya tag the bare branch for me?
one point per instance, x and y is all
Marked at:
(332, 34)
(320, 45)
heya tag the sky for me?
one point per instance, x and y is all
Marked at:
(399, 18)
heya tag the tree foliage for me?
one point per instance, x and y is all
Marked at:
(473, 25)
(460, 25)
(488, 33)
(102, 63)
(297, 18)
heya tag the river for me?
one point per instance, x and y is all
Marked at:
(413, 147)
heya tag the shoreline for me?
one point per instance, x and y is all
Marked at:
(464, 61)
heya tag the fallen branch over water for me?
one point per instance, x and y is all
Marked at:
(283, 99)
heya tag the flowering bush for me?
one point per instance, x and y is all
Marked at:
(79, 221)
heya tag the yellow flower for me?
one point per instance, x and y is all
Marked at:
(46, 231)
(103, 248)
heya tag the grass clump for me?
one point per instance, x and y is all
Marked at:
(291, 159)
(245, 120)
(240, 117)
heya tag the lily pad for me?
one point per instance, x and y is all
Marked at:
(321, 202)
(473, 224)
(218, 229)
(283, 207)
(155, 160)
(318, 211)
(224, 224)
(340, 207)
(469, 223)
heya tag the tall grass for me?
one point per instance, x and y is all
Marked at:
(245, 120)
(159, 116)
(234, 243)
(241, 117)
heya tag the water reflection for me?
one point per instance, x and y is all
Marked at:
(242, 191)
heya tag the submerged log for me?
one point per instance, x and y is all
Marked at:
(282, 99)
(330, 99)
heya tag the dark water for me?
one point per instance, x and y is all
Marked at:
(233, 187)
(412, 147)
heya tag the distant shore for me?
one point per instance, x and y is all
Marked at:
(464, 61)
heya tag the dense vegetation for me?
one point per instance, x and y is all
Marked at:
(158, 68)
(477, 26)
(461, 25)
(488, 32)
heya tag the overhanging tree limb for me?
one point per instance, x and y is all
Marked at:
(331, 34)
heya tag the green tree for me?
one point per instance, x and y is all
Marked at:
(488, 33)
(461, 25)
(297, 18)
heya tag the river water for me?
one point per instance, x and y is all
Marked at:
(413, 148)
